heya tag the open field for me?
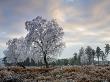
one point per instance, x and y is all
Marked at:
(56, 74)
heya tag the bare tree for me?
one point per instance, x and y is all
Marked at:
(45, 36)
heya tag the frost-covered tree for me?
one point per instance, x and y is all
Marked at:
(84, 59)
(45, 37)
(81, 54)
(21, 49)
(15, 51)
(10, 53)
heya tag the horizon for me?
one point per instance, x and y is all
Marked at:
(85, 22)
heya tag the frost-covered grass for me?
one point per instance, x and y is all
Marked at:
(56, 74)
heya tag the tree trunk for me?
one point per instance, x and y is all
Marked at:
(98, 60)
(45, 61)
(102, 61)
(89, 61)
(21, 65)
(93, 60)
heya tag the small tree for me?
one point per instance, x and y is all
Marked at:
(103, 57)
(98, 53)
(71, 61)
(10, 53)
(66, 62)
(81, 54)
(5, 61)
(75, 58)
(46, 37)
(88, 51)
(93, 55)
(15, 51)
(107, 49)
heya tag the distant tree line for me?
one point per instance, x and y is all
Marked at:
(85, 56)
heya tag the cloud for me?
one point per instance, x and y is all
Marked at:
(58, 14)
(1, 17)
(84, 22)
(80, 25)
(30, 7)
(15, 30)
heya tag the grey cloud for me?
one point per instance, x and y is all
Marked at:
(81, 26)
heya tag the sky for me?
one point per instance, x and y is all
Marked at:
(85, 22)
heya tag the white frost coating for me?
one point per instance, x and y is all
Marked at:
(16, 50)
(84, 59)
(21, 50)
(83, 56)
(44, 37)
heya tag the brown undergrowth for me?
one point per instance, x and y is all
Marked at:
(57, 74)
